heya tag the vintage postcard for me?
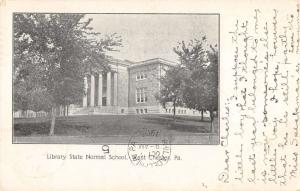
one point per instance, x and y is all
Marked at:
(149, 95)
(132, 77)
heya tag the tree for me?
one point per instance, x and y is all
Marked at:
(171, 84)
(200, 89)
(52, 53)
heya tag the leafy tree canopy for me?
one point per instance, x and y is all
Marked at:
(52, 53)
(171, 86)
(200, 89)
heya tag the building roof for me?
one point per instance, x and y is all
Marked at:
(132, 64)
(153, 61)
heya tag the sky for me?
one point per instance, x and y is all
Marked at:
(147, 36)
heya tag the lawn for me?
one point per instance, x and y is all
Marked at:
(112, 125)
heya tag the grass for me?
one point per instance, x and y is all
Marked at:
(111, 125)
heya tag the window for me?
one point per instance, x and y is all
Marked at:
(122, 110)
(141, 95)
(138, 95)
(145, 111)
(142, 111)
(137, 111)
(141, 76)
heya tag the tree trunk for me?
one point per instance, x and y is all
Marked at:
(201, 114)
(53, 113)
(174, 111)
(211, 121)
(64, 110)
(67, 112)
(35, 117)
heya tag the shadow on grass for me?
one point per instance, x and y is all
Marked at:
(181, 124)
(157, 120)
(189, 128)
(110, 125)
(43, 128)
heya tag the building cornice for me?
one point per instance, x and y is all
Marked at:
(130, 64)
(153, 61)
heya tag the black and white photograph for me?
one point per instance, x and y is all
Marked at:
(101, 78)
(149, 95)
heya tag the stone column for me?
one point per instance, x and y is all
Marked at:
(92, 101)
(84, 100)
(100, 90)
(108, 89)
(115, 88)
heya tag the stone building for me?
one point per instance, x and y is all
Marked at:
(130, 88)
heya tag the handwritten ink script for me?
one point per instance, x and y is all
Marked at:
(260, 116)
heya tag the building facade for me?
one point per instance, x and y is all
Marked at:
(129, 88)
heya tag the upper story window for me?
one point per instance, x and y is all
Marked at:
(141, 76)
(141, 95)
